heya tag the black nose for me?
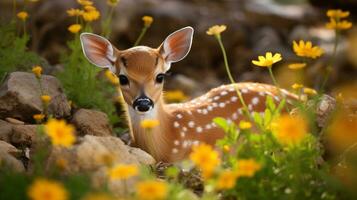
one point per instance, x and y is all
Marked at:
(143, 104)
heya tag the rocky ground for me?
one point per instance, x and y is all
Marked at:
(20, 138)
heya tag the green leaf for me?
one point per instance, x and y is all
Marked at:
(221, 122)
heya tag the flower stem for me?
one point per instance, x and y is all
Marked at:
(245, 108)
(277, 85)
(143, 31)
(331, 62)
(272, 77)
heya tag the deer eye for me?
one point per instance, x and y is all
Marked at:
(123, 80)
(160, 78)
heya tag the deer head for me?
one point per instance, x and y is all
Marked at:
(141, 69)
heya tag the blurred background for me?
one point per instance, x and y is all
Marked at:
(253, 27)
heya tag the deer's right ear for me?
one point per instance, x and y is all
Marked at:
(98, 50)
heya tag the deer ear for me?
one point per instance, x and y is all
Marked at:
(98, 50)
(177, 45)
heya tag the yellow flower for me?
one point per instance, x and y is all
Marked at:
(226, 148)
(151, 190)
(85, 2)
(147, 20)
(37, 70)
(89, 8)
(205, 158)
(75, 12)
(247, 167)
(226, 180)
(175, 96)
(268, 60)
(38, 117)
(62, 163)
(61, 134)
(297, 86)
(112, 3)
(149, 123)
(98, 196)
(43, 189)
(112, 77)
(74, 28)
(216, 30)
(122, 171)
(106, 159)
(290, 130)
(91, 15)
(297, 65)
(342, 131)
(337, 13)
(23, 15)
(338, 25)
(243, 125)
(305, 49)
(46, 99)
(309, 91)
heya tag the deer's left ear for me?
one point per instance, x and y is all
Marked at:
(177, 45)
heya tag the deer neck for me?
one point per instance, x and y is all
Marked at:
(155, 141)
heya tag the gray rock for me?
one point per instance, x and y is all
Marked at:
(92, 122)
(7, 152)
(89, 154)
(324, 108)
(14, 121)
(94, 154)
(5, 131)
(20, 97)
(24, 135)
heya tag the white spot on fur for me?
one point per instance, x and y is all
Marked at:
(250, 107)
(176, 142)
(191, 124)
(174, 150)
(223, 93)
(185, 144)
(199, 129)
(234, 98)
(222, 104)
(277, 98)
(176, 124)
(204, 111)
(182, 134)
(244, 90)
(240, 111)
(210, 108)
(179, 116)
(208, 126)
(262, 93)
(216, 98)
(196, 142)
(184, 129)
(255, 100)
(234, 116)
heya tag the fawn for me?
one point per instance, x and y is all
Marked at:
(141, 72)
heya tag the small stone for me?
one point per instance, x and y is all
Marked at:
(14, 121)
(92, 122)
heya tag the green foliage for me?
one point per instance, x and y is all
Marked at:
(81, 83)
(14, 54)
(292, 172)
